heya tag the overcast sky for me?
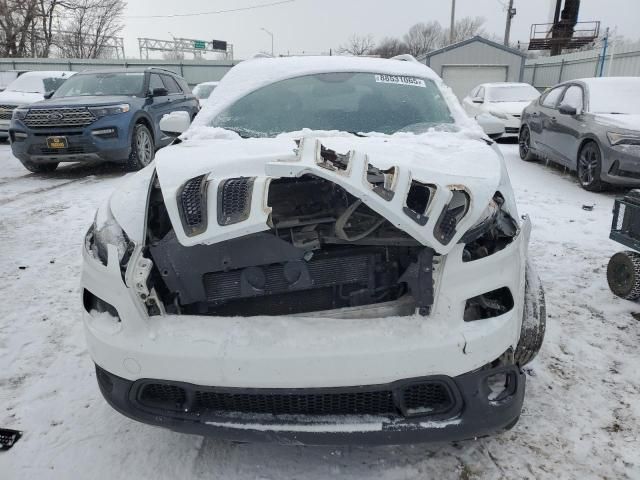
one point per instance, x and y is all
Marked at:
(315, 26)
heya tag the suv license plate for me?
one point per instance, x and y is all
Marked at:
(57, 142)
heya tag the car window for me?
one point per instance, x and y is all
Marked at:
(102, 84)
(473, 92)
(573, 97)
(171, 85)
(512, 93)
(183, 84)
(351, 102)
(155, 82)
(550, 99)
(480, 93)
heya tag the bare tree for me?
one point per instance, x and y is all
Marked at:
(358, 46)
(92, 26)
(464, 29)
(390, 47)
(423, 37)
(16, 21)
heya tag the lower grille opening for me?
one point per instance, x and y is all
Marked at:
(93, 303)
(421, 398)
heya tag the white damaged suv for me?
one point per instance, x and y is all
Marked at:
(330, 254)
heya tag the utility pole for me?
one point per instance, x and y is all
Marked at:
(511, 12)
(453, 21)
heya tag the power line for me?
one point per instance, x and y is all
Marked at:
(216, 12)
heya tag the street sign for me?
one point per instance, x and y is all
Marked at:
(219, 45)
(199, 44)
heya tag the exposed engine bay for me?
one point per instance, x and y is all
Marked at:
(325, 250)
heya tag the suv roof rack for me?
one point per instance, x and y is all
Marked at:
(405, 57)
(162, 69)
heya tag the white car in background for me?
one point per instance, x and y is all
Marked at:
(504, 101)
(330, 254)
(30, 87)
(202, 91)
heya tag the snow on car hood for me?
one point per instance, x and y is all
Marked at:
(510, 108)
(446, 160)
(11, 97)
(629, 122)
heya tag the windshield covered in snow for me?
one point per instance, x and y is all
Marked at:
(203, 91)
(35, 84)
(512, 93)
(620, 96)
(102, 84)
(350, 102)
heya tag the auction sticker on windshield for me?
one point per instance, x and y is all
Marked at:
(400, 80)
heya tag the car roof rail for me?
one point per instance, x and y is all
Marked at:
(262, 55)
(405, 57)
(163, 70)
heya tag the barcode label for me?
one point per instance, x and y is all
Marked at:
(400, 80)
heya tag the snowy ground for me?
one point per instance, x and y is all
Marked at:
(581, 417)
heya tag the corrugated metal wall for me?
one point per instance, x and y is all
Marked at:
(546, 72)
(194, 71)
(477, 53)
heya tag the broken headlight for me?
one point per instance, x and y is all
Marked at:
(106, 231)
(492, 233)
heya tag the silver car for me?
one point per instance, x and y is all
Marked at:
(590, 125)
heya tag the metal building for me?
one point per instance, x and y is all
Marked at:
(466, 64)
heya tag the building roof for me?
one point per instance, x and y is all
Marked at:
(477, 38)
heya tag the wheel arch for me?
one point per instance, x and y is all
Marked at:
(584, 141)
(142, 119)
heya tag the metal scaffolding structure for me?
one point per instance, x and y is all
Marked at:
(184, 45)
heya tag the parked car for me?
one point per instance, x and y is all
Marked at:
(27, 88)
(591, 126)
(8, 76)
(202, 91)
(502, 100)
(109, 115)
(274, 277)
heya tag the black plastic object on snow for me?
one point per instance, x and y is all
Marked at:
(8, 438)
(623, 271)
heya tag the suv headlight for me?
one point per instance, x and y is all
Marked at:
(106, 231)
(623, 138)
(20, 113)
(100, 112)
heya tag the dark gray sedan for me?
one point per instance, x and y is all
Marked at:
(590, 125)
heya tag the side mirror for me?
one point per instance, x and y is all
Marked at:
(568, 110)
(49, 94)
(160, 92)
(175, 123)
(477, 100)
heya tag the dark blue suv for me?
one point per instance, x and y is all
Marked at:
(112, 116)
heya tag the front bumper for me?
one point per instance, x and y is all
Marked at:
(621, 165)
(83, 145)
(472, 415)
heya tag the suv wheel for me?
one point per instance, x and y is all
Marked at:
(39, 167)
(590, 167)
(142, 148)
(524, 145)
